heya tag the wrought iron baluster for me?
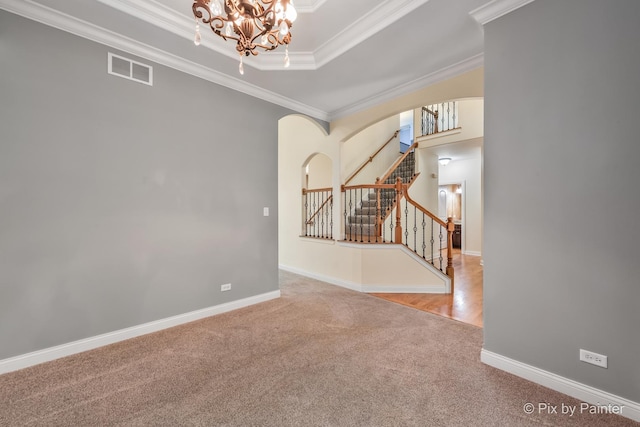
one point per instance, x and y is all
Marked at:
(424, 242)
(325, 217)
(391, 235)
(455, 114)
(316, 206)
(331, 215)
(344, 213)
(440, 249)
(415, 229)
(432, 241)
(306, 217)
(360, 216)
(406, 221)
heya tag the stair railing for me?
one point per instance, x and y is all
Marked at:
(429, 121)
(371, 157)
(318, 212)
(398, 162)
(421, 228)
(366, 207)
(412, 225)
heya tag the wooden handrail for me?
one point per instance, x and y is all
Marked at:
(449, 226)
(371, 157)
(397, 163)
(319, 209)
(316, 190)
(423, 210)
(372, 186)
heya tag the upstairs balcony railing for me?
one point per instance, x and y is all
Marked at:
(439, 117)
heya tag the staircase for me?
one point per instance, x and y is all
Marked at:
(362, 222)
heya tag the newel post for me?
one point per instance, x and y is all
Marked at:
(398, 238)
(450, 228)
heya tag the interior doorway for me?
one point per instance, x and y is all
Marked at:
(451, 205)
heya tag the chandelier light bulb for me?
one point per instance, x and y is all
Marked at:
(264, 39)
(279, 12)
(284, 28)
(291, 12)
(241, 66)
(228, 30)
(215, 7)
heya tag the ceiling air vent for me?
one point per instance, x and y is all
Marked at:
(129, 69)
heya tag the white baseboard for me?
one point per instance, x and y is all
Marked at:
(52, 353)
(404, 289)
(329, 279)
(583, 392)
(472, 253)
(380, 289)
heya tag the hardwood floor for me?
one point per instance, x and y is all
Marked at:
(464, 305)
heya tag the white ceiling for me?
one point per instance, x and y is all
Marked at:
(345, 55)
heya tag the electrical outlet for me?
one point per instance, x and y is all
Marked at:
(593, 358)
(225, 287)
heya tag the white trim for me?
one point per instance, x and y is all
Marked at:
(64, 22)
(157, 14)
(368, 25)
(305, 60)
(308, 6)
(450, 132)
(472, 253)
(564, 385)
(495, 9)
(436, 77)
(329, 279)
(318, 240)
(52, 353)
(404, 289)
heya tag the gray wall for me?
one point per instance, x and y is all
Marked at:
(562, 270)
(122, 203)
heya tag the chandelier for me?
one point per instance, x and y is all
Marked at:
(253, 24)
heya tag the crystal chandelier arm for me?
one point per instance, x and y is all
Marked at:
(216, 22)
(252, 24)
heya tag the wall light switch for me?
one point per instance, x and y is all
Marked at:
(265, 211)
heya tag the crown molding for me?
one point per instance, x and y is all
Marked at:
(155, 13)
(369, 24)
(495, 9)
(436, 77)
(308, 6)
(67, 23)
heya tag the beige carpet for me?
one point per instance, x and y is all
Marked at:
(318, 356)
